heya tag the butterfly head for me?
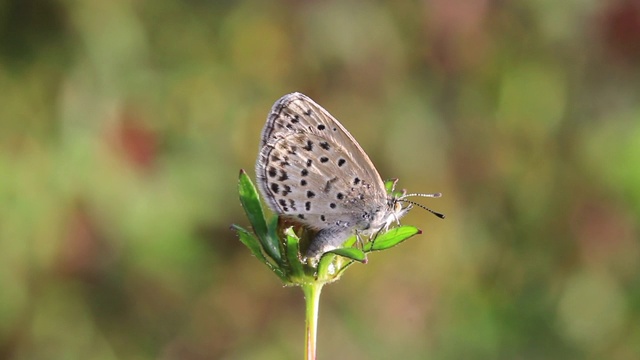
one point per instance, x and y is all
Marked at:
(398, 203)
(396, 207)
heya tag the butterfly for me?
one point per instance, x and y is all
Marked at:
(312, 171)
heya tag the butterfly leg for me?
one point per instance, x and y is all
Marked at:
(359, 240)
(375, 235)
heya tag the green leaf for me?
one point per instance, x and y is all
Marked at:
(350, 241)
(354, 254)
(249, 241)
(274, 236)
(391, 238)
(251, 203)
(324, 265)
(253, 244)
(293, 252)
(390, 185)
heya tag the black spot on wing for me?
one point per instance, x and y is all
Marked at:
(309, 145)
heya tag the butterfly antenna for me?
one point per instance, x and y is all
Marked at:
(435, 195)
(440, 215)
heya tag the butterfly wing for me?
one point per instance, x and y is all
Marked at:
(317, 183)
(297, 113)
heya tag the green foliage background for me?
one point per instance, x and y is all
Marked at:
(123, 125)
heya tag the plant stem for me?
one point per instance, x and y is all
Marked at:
(312, 300)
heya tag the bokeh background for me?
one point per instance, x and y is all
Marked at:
(123, 125)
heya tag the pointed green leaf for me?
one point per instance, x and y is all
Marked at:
(354, 254)
(253, 244)
(249, 241)
(251, 203)
(391, 238)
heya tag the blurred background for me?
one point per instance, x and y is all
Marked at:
(123, 125)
